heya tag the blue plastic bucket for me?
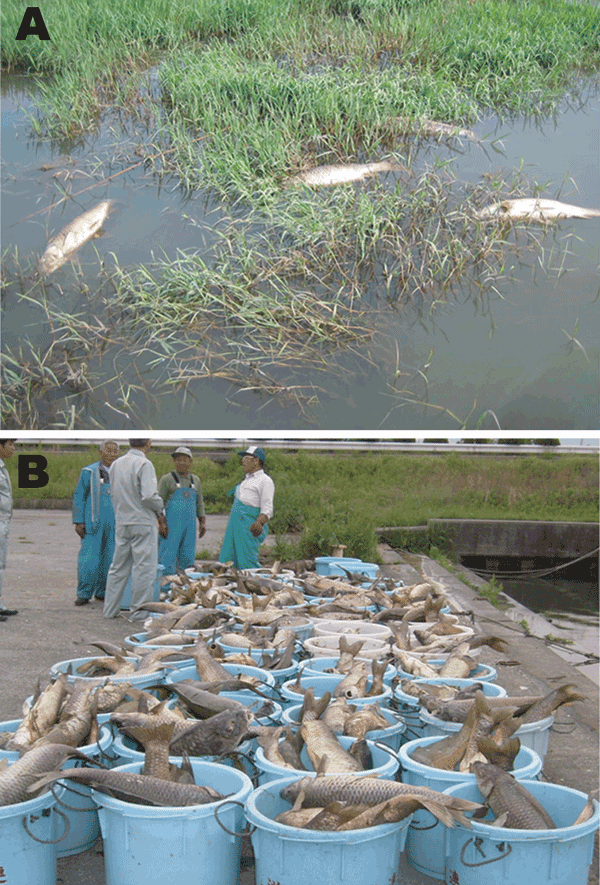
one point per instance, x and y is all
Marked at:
(280, 676)
(411, 709)
(534, 735)
(126, 598)
(425, 840)
(125, 750)
(75, 801)
(391, 736)
(482, 673)
(293, 856)
(325, 565)
(28, 835)
(136, 681)
(322, 684)
(316, 666)
(384, 764)
(484, 855)
(184, 844)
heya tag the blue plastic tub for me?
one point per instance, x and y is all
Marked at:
(391, 736)
(482, 673)
(425, 839)
(384, 764)
(411, 709)
(75, 801)
(316, 666)
(330, 565)
(292, 856)
(534, 735)
(140, 681)
(125, 750)
(28, 835)
(322, 684)
(126, 598)
(183, 845)
(484, 855)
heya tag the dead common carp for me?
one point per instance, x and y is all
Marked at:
(320, 791)
(73, 236)
(529, 209)
(341, 173)
(137, 788)
(16, 780)
(510, 800)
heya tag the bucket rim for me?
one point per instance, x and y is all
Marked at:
(297, 834)
(132, 809)
(562, 834)
(396, 726)
(407, 762)
(44, 800)
(269, 767)
(429, 719)
(328, 677)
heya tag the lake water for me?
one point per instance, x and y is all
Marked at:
(512, 357)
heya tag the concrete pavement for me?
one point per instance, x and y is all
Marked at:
(40, 581)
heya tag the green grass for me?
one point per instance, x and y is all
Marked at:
(342, 499)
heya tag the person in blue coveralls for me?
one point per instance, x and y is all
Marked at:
(251, 511)
(181, 492)
(94, 520)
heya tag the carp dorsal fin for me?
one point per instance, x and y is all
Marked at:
(323, 763)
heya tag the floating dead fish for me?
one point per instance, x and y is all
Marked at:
(342, 173)
(536, 210)
(434, 129)
(73, 236)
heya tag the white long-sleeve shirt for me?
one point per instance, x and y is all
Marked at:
(257, 490)
(134, 489)
(6, 498)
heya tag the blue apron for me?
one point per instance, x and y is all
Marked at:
(180, 547)
(98, 545)
(239, 544)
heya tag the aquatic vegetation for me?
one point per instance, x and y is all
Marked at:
(237, 97)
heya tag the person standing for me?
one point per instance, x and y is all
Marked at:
(94, 520)
(7, 449)
(139, 518)
(181, 492)
(251, 511)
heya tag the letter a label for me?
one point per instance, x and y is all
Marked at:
(33, 24)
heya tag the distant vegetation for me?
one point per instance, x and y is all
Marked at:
(342, 498)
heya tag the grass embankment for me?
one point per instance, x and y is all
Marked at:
(250, 92)
(342, 499)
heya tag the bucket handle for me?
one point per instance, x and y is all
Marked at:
(222, 825)
(480, 863)
(62, 802)
(49, 841)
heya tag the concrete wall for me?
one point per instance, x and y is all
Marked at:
(487, 537)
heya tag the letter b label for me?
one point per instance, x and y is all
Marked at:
(32, 473)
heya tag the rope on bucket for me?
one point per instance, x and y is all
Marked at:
(222, 825)
(480, 863)
(70, 787)
(45, 813)
(235, 755)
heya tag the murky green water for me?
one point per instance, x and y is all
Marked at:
(513, 355)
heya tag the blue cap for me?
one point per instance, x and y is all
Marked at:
(256, 451)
